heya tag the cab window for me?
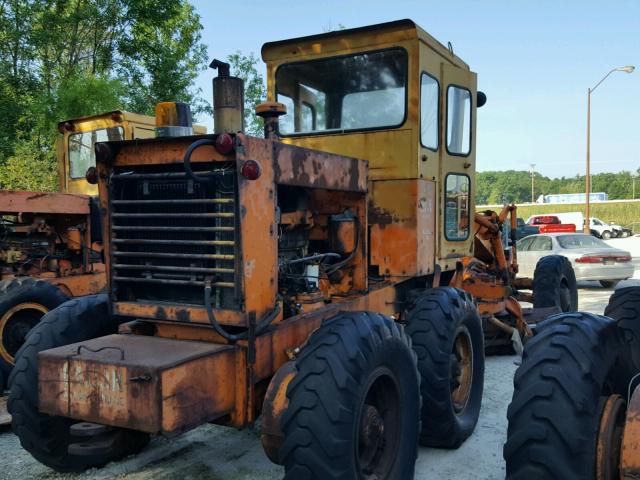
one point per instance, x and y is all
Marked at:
(458, 120)
(429, 106)
(81, 148)
(352, 92)
(456, 211)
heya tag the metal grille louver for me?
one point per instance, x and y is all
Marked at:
(169, 234)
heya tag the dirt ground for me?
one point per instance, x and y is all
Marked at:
(218, 453)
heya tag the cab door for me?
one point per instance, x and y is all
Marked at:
(457, 164)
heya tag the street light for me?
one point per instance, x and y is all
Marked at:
(627, 69)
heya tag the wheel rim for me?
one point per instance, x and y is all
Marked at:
(379, 425)
(610, 439)
(461, 370)
(14, 326)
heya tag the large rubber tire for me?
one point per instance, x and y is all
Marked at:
(34, 298)
(335, 370)
(624, 308)
(45, 437)
(555, 411)
(440, 319)
(554, 284)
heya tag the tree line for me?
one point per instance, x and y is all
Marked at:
(495, 187)
(61, 59)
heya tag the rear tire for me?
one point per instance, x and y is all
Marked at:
(554, 415)
(354, 403)
(23, 302)
(554, 284)
(609, 283)
(46, 437)
(446, 333)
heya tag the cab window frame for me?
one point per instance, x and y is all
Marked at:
(438, 129)
(70, 164)
(444, 210)
(334, 131)
(446, 123)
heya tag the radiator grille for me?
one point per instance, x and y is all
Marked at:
(169, 234)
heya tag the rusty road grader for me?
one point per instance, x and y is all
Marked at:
(50, 243)
(328, 283)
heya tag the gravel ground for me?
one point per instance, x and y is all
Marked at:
(218, 453)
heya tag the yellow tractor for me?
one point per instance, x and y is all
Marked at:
(328, 282)
(50, 243)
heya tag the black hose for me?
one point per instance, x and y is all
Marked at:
(262, 325)
(187, 159)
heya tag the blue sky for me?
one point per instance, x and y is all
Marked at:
(534, 60)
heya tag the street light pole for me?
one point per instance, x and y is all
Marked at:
(587, 199)
(627, 69)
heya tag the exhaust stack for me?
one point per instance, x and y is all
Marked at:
(228, 100)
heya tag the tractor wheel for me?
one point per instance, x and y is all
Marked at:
(446, 333)
(567, 373)
(609, 283)
(23, 302)
(45, 437)
(354, 403)
(624, 308)
(554, 284)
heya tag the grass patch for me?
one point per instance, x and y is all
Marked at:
(625, 213)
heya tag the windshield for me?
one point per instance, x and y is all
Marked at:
(81, 148)
(355, 92)
(581, 241)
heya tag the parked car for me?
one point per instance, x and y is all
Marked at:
(591, 258)
(550, 224)
(602, 229)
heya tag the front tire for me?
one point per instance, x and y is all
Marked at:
(354, 403)
(606, 235)
(23, 302)
(447, 337)
(567, 370)
(624, 308)
(554, 284)
(45, 437)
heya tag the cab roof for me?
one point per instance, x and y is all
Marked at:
(278, 49)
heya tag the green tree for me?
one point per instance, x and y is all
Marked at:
(255, 89)
(61, 59)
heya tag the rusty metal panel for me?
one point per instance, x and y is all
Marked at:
(146, 383)
(401, 217)
(13, 201)
(258, 228)
(307, 168)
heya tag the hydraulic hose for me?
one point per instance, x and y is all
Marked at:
(187, 159)
(262, 325)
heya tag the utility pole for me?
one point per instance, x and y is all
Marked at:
(533, 175)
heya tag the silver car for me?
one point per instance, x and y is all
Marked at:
(591, 258)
